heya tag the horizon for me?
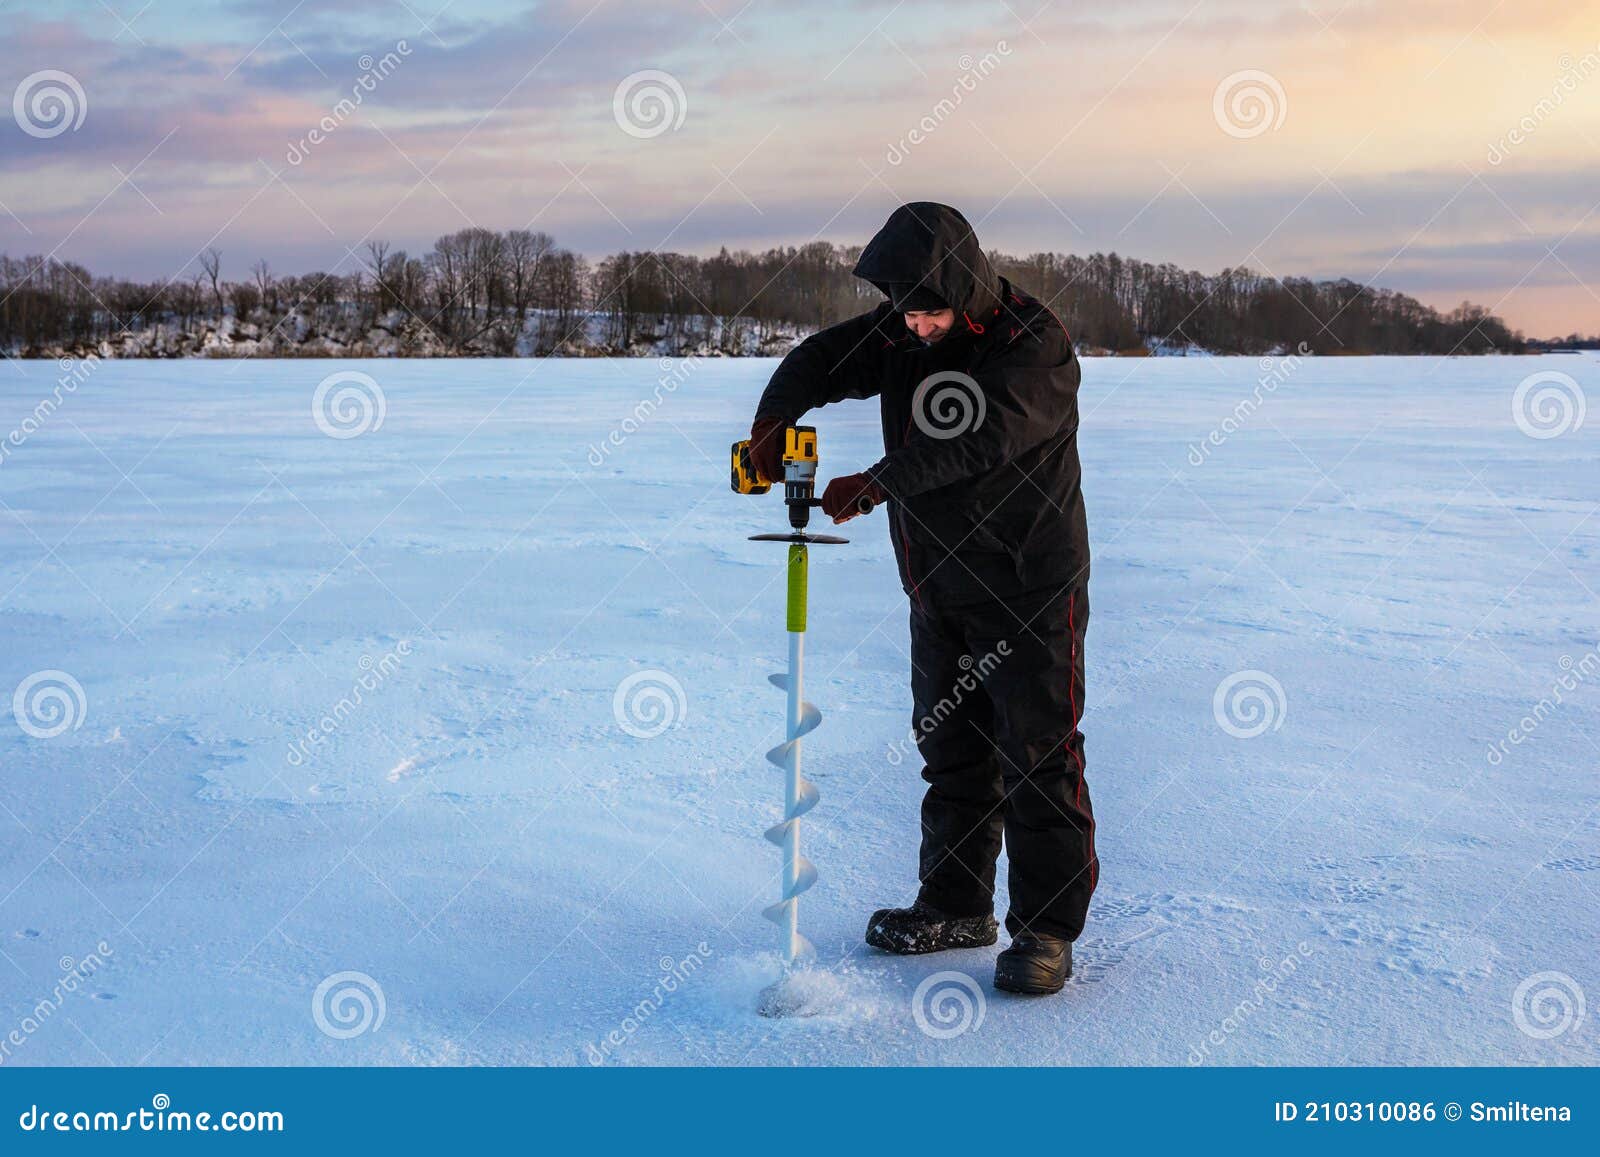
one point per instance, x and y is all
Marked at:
(1268, 137)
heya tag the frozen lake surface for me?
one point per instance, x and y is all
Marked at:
(520, 873)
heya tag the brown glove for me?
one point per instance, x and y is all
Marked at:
(766, 448)
(841, 499)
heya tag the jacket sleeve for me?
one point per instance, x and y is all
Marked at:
(842, 361)
(1022, 401)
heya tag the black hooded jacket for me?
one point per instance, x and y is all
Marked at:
(979, 430)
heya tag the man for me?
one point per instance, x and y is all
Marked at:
(978, 387)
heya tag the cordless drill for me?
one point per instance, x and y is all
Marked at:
(799, 475)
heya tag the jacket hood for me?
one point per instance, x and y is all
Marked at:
(931, 246)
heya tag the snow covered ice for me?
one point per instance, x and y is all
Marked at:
(531, 642)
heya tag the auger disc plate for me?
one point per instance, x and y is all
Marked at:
(811, 539)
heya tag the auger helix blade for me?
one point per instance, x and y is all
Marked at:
(800, 797)
(806, 801)
(779, 914)
(810, 716)
(807, 875)
(778, 756)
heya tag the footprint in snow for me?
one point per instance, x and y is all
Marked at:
(1363, 891)
(1123, 907)
(1094, 960)
(1169, 907)
(1454, 956)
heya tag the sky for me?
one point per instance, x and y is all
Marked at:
(1446, 149)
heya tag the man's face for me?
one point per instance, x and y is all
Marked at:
(931, 325)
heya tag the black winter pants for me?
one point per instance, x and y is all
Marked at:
(998, 690)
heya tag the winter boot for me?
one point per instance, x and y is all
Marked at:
(919, 928)
(1034, 964)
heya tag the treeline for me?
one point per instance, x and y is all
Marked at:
(483, 292)
(1120, 303)
(1573, 341)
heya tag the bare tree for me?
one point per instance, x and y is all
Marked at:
(246, 298)
(211, 268)
(265, 286)
(461, 264)
(377, 255)
(525, 255)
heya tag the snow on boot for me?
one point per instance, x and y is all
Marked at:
(1034, 964)
(919, 928)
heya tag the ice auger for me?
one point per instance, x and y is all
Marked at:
(799, 795)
